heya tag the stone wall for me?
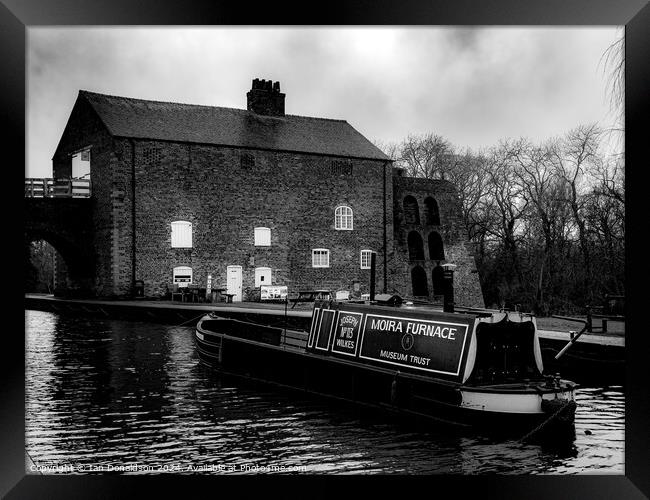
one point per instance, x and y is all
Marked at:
(456, 248)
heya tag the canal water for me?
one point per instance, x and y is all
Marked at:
(109, 396)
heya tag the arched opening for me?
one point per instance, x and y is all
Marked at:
(55, 265)
(411, 210)
(438, 279)
(431, 212)
(40, 269)
(419, 282)
(416, 247)
(436, 248)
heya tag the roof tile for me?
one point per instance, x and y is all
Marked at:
(138, 118)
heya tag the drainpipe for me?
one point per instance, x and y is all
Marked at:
(385, 239)
(133, 252)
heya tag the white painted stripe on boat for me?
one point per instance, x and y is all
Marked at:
(508, 403)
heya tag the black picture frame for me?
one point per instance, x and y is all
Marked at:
(17, 15)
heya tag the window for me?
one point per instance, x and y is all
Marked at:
(151, 156)
(431, 211)
(182, 276)
(262, 276)
(419, 282)
(415, 246)
(338, 167)
(343, 218)
(262, 237)
(81, 164)
(247, 161)
(411, 210)
(365, 259)
(438, 276)
(181, 234)
(436, 248)
(320, 257)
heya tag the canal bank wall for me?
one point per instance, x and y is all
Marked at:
(593, 359)
(173, 313)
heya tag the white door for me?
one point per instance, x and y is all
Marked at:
(262, 276)
(234, 282)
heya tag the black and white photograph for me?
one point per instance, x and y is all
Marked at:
(325, 250)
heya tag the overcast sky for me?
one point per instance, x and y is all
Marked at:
(473, 86)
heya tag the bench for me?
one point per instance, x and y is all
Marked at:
(310, 296)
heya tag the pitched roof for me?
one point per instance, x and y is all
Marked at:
(138, 118)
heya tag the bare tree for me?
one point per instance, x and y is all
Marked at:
(613, 64)
(505, 204)
(573, 155)
(613, 60)
(426, 156)
(390, 149)
(547, 219)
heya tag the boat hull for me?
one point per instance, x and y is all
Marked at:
(291, 367)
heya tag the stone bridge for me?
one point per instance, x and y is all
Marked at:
(65, 222)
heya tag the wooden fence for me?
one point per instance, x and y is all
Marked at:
(57, 188)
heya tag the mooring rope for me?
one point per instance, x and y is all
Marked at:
(173, 328)
(546, 422)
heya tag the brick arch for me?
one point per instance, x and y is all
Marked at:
(436, 246)
(438, 280)
(67, 226)
(419, 282)
(415, 246)
(411, 210)
(431, 211)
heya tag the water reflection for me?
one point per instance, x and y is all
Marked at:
(113, 393)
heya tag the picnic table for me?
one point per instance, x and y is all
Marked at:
(310, 296)
(218, 293)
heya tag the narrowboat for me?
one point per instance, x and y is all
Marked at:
(481, 369)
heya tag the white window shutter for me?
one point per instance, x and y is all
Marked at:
(181, 234)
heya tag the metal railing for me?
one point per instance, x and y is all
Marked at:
(57, 188)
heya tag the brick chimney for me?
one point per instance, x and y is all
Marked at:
(265, 98)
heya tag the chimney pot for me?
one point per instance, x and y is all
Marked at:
(265, 98)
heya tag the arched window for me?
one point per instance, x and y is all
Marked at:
(343, 218)
(181, 234)
(438, 278)
(411, 210)
(436, 248)
(432, 214)
(419, 282)
(416, 247)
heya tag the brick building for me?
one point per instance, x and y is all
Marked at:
(250, 197)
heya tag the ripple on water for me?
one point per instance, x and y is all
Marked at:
(106, 392)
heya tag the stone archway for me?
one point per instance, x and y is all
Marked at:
(415, 246)
(436, 247)
(65, 224)
(411, 210)
(438, 280)
(431, 211)
(419, 282)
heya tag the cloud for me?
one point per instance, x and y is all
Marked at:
(474, 85)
